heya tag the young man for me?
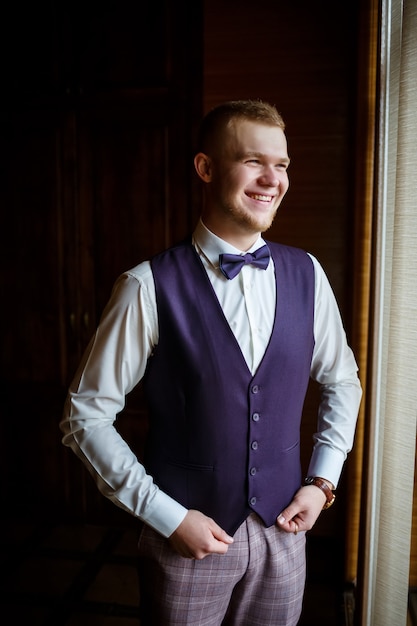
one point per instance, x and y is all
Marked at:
(228, 330)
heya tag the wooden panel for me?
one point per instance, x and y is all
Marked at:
(101, 103)
(362, 249)
(29, 242)
(124, 182)
(301, 57)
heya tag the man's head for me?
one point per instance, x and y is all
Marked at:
(243, 160)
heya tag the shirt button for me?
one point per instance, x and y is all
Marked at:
(252, 501)
(254, 445)
(255, 389)
(252, 471)
(255, 417)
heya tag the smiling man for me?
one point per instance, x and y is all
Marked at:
(225, 330)
(247, 176)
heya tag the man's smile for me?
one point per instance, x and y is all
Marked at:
(261, 197)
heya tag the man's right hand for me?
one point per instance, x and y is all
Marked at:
(198, 536)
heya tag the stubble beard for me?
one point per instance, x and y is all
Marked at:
(249, 221)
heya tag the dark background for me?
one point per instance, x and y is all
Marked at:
(100, 106)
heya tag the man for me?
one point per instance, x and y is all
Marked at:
(226, 331)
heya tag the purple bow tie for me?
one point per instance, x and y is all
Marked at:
(231, 264)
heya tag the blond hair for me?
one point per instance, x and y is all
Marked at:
(219, 119)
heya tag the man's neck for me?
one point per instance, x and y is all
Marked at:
(242, 240)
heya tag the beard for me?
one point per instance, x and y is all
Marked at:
(248, 220)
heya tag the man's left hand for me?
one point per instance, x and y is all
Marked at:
(302, 513)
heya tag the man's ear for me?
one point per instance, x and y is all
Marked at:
(202, 166)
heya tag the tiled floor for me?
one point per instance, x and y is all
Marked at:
(79, 575)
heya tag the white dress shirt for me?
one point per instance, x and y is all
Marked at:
(116, 358)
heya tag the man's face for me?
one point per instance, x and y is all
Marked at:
(249, 176)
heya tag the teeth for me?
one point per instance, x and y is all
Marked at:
(257, 196)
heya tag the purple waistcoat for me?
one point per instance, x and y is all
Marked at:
(221, 440)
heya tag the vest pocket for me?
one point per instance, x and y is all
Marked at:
(294, 445)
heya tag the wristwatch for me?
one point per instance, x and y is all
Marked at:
(321, 484)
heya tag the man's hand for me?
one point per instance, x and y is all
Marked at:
(302, 513)
(198, 536)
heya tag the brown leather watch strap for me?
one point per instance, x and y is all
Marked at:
(321, 484)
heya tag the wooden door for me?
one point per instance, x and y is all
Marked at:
(96, 161)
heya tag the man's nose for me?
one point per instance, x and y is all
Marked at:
(270, 177)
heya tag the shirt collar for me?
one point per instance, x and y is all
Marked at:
(210, 245)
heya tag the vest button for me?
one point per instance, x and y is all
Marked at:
(254, 445)
(255, 417)
(255, 389)
(252, 501)
(252, 471)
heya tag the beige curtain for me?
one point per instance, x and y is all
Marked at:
(391, 384)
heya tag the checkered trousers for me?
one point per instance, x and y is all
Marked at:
(259, 582)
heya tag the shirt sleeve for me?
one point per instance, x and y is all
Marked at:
(113, 364)
(335, 369)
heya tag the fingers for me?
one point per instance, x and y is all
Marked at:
(302, 513)
(220, 534)
(290, 524)
(220, 540)
(289, 519)
(198, 536)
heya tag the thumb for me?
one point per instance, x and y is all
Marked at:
(220, 534)
(286, 518)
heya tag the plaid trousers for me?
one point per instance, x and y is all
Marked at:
(259, 582)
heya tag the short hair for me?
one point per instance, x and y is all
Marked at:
(216, 120)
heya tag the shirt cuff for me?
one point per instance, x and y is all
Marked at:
(327, 463)
(165, 514)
